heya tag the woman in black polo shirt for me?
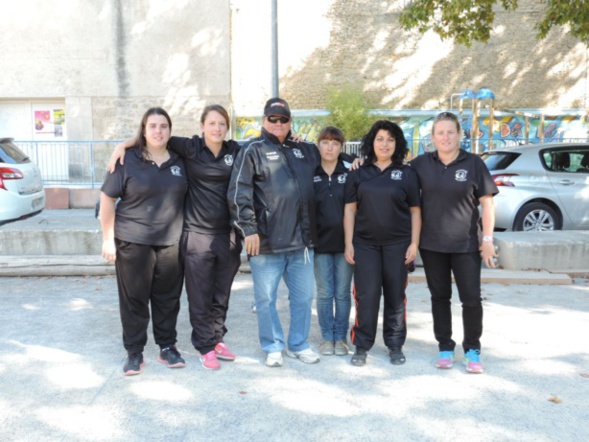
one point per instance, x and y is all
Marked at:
(333, 274)
(142, 236)
(382, 222)
(210, 248)
(453, 184)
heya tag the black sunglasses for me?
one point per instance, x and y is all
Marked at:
(448, 115)
(276, 118)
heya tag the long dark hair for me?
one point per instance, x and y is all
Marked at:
(140, 139)
(367, 147)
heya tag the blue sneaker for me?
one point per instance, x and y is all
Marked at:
(445, 359)
(473, 362)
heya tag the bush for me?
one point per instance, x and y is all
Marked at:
(349, 110)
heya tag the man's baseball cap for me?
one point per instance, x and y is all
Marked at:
(276, 106)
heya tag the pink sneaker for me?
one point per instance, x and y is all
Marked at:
(223, 352)
(473, 362)
(209, 361)
(445, 359)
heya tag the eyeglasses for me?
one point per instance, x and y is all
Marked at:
(276, 118)
(446, 115)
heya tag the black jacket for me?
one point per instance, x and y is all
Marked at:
(329, 199)
(271, 193)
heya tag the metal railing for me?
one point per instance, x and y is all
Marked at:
(70, 163)
(83, 163)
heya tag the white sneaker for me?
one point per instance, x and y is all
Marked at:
(274, 359)
(307, 356)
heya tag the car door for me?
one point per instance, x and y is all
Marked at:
(570, 180)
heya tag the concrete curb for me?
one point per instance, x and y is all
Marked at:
(94, 265)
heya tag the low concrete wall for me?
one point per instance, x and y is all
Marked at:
(51, 242)
(554, 251)
(77, 232)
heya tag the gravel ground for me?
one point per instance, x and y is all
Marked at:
(61, 378)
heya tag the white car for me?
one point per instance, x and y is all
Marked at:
(541, 186)
(21, 186)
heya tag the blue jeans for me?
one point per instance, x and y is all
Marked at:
(297, 270)
(333, 276)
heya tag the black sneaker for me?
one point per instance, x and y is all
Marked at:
(171, 357)
(134, 364)
(396, 355)
(359, 358)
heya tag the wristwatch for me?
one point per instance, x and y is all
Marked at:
(487, 238)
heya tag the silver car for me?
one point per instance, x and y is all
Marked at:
(21, 186)
(541, 187)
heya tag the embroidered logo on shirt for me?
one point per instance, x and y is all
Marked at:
(341, 179)
(176, 171)
(461, 175)
(272, 156)
(316, 179)
(397, 175)
(228, 159)
(297, 153)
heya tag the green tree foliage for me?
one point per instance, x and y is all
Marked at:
(574, 13)
(468, 21)
(349, 110)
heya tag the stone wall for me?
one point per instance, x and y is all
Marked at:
(406, 70)
(111, 60)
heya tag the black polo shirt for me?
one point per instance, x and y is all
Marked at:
(151, 206)
(383, 198)
(208, 176)
(329, 203)
(450, 199)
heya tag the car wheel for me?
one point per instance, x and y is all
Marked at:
(536, 216)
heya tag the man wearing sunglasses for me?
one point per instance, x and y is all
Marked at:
(271, 200)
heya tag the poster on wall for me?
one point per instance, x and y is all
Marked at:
(58, 122)
(49, 123)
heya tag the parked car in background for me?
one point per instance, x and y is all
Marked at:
(541, 186)
(21, 186)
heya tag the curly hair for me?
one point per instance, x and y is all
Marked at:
(367, 147)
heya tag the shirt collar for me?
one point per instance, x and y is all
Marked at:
(461, 156)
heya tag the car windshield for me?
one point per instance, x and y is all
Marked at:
(11, 154)
(499, 160)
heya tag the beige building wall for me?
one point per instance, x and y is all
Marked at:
(110, 60)
(328, 43)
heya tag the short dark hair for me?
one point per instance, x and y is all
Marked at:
(140, 140)
(217, 108)
(331, 133)
(367, 147)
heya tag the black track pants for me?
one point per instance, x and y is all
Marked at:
(211, 262)
(148, 275)
(379, 270)
(466, 268)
